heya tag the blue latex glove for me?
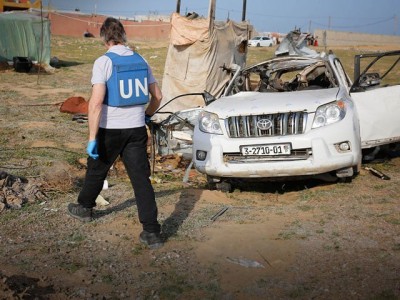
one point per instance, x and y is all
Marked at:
(147, 119)
(91, 149)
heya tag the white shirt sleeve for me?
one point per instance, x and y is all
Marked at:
(102, 69)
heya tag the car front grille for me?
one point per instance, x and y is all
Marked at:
(279, 124)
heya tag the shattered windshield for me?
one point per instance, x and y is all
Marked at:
(285, 75)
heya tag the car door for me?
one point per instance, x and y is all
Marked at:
(376, 95)
(265, 41)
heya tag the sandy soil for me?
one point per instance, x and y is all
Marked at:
(322, 241)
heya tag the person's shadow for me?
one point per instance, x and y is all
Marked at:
(184, 206)
(119, 207)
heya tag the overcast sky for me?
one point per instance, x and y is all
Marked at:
(368, 16)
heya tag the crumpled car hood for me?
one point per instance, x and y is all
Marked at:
(255, 103)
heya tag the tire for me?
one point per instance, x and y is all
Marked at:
(224, 186)
(258, 45)
(219, 184)
(345, 179)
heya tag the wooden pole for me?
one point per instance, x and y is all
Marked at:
(244, 10)
(178, 6)
(211, 15)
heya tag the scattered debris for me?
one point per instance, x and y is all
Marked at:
(219, 213)
(80, 118)
(244, 262)
(75, 105)
(101, 201)
(187, 172)
(377, 173)
(16, 191)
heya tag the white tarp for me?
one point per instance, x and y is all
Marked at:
(195, 57)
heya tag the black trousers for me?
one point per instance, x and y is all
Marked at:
(131, 145)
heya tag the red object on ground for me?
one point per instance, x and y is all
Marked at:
(316, 43)
(75, 105)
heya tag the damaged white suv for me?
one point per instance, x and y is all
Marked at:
(298, 115)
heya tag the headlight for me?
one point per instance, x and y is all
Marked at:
(329, 113)
(209, 122)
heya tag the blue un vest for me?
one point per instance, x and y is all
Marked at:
(127, 85)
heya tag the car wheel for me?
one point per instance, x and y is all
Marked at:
(345, 179)
(224, 186)
(258, 44)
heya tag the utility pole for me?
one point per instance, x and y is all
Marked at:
(329, 23)
(244, 10)
(178, 6)
(211, 15)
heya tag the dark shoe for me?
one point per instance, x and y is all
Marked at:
(79, 212)
(151, 239)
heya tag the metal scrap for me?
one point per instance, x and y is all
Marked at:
(219, 213)
(244, 262)
(377, 173)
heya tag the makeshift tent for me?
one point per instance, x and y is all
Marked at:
(24, 34)
(195, 57)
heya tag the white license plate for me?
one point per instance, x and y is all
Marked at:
(271, 149)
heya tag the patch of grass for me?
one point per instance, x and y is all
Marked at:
(299, 291)
(305, 207)
(174, 285)
(392, 220)
(71, 267)
(385, 295)
(213, 286)
(287, 235)
(334, 246)
(335, 234)
(396, 247)
(76, 238)
(108, 278)
(138, 249)
(24, 264)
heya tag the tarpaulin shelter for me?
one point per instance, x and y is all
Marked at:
(196, 53)
(24, 34)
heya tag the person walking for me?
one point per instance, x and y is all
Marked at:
(122, 83)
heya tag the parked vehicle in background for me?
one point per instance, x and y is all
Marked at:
(298, 115)
(260, 41)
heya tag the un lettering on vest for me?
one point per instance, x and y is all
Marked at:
(141, 89)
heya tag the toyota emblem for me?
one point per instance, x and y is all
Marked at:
(264, 124)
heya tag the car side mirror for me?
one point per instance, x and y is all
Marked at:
(369, 79)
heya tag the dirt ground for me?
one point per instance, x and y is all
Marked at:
(287, 240)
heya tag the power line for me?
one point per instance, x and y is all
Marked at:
(355, 26)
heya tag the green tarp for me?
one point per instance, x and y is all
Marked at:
(26, 35)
